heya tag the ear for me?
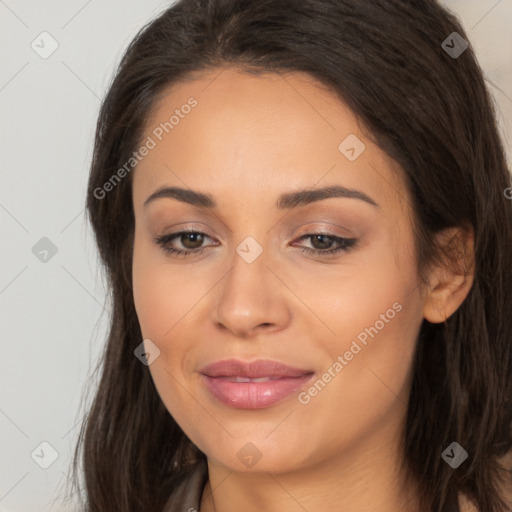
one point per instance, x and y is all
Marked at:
(449, 283)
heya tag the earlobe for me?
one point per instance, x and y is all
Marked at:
(450, 282)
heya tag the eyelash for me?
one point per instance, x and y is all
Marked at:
(346, 244)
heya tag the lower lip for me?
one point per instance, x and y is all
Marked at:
(253, 395)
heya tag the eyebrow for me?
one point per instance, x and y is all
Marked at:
(285, 202)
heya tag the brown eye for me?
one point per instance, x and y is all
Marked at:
(191, 240)
(327, 245)
(183, 243)
(321, 241)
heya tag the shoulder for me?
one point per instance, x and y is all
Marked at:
(465, 505)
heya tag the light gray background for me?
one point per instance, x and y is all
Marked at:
(53, 322)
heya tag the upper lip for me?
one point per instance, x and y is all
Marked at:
(252, 370)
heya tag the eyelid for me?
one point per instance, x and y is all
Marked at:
(328, 231)
(184, 227)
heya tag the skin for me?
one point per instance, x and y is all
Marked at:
(248, 140)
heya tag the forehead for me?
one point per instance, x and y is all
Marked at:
(265, 133)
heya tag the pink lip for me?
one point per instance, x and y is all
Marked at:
(219, 379)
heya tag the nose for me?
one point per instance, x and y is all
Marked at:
(251, 299)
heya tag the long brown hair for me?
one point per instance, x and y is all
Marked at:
(427, 109)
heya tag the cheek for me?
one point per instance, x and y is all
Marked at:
(162, 300)
(369, 390)
(352, 297)
(166, 301)
(376, 316)
(149, 299)
(163, 294)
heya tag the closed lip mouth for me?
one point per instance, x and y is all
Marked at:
(260, 370)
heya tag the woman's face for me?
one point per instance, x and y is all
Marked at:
(347, 320)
